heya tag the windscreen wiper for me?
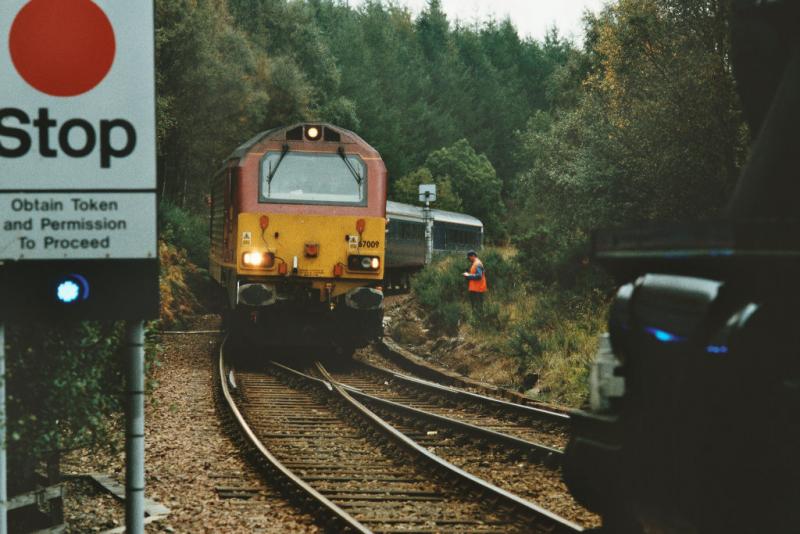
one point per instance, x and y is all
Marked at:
(353, 171)
(278, 164)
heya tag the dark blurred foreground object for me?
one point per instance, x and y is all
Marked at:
(694, 423)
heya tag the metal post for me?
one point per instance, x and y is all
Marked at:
(428, 230)
(3, 476)
(134, 427)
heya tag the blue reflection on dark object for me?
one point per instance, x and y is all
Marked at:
(663, 336)
(717, 349)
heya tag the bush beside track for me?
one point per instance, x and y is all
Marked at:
(532, 335)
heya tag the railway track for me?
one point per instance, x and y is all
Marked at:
(526, 468)
(364, 473)
(409, 363)
(526, 423)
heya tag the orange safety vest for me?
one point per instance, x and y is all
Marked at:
(477, 286)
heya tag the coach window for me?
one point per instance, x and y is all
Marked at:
(302, 178)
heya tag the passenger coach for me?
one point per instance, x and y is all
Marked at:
(298, 235)
(405, 239)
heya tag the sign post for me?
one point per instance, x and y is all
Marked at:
(134, 426)
(427, 194)
(78, 183)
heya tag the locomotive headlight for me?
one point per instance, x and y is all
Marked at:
(363, 263)
(258, 259)
(253, 259)
(313, 133)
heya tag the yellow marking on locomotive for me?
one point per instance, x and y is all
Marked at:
(332, 238)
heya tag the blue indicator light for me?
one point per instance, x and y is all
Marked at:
(717, 349)
(68, 291)
(663, 336)
(72, 288)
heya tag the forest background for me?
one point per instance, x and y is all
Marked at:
(542, 140)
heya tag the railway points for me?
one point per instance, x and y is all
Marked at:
(530, 425)
(289, 394)
(524, 468)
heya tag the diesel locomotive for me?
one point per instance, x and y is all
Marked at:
(298, 234)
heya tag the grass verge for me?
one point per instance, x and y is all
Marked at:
(537, 337)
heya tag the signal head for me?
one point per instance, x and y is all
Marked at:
(72, 288)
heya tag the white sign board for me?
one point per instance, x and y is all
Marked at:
(77, 225)
(427, 192)
(77, 113)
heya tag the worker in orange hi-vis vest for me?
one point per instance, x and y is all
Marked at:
(477, 280)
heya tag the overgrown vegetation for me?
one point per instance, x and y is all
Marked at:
(186, 230)
(64, 381)
(550, 333)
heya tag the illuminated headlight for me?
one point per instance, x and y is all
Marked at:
(363, 263)
(313, 133)
(258, 259)
(253, 259)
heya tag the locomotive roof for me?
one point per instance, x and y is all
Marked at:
(400, 209)
(248, 145)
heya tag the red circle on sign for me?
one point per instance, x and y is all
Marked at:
(64, 47)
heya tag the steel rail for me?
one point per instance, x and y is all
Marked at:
(298, 482)
(550, 453)
(412, 363)
(555, 522)
(523, 409)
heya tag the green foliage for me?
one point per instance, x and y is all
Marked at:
(406, 189)
(504, 274)
(216, 88)
(491, 317)
(548, 331)
(63, 383)
(415, 88)
(186, 230)
(557, 340)
(440, 288)
(654, 133)
(179, 297)
(475, 182)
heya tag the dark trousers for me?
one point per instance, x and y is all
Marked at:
(476, 300)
